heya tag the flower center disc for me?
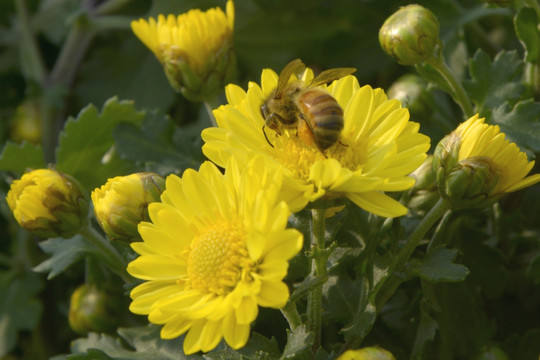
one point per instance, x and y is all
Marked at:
(217, 259)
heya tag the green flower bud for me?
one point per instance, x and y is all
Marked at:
(411, 91)
(48, 203)
(195, 49)
(26, 123)
(424, 193)
(93, 309)
(367, 353)
(410, 35)
(122, 203)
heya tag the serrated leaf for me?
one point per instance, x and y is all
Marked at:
(144, 343)
(298, 340)
(526, 25)
(64, 253)
(19, 309)
(439, 266)
(158, 141)
(494, 82)
(87, 139)
(18, 158)
(520, 123)
(257, 348)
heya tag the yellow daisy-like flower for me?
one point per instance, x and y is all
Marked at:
(478, 139)
(377, 150)
(368, 353)
(195, 49)
(216, 248)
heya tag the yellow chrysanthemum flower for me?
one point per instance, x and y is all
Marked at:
(48, 203)
(476, 165)
(216, 248)
(378, 148)
(122, 203)
(195, 49)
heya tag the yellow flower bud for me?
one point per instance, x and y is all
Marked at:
(476, 165)
(48, 203)
(367, 353)
(93, 309)
(195, 49)
(410, 35)
(122, 203)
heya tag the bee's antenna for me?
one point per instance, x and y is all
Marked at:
(266, 136)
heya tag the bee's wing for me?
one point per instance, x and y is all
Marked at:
(327, 76)
(294, 67)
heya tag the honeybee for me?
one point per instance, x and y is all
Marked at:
(315, 113)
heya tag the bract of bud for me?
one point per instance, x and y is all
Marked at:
(410, 35)
(367, 353)
(48, 203)
(93, 309)
(195, 49)
(469, 184)
(122, 203)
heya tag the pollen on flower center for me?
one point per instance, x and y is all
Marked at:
(291, 151)
(218, 258)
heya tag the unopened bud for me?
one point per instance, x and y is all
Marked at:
(93, 309)
(48, 203)
(410, 35)
(122, 203)
(26, 123)
(424, 193)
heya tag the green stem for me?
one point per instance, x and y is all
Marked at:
(108, 253)
(458, 92)
(291, 315)
(440, 208)
(389, 286)
(436, 239)
(318, 265)
(532, 77)
(110, 6)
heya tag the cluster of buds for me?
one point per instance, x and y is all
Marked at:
(122, 203)
(48, 203)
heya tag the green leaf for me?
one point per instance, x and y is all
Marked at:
(526, 25)
(298, 341)
(19, 309)
(64, 253)
(439, 266)
(85, 146)
(159, 144)
(142, 343)
(495, 82)
(18, 158)
(257, 348)
(425, 332)
(534, 270)
(520, 123)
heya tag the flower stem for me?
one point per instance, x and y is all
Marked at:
(458, 92)
(318, 265)
(438, 210)
(106, 252)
